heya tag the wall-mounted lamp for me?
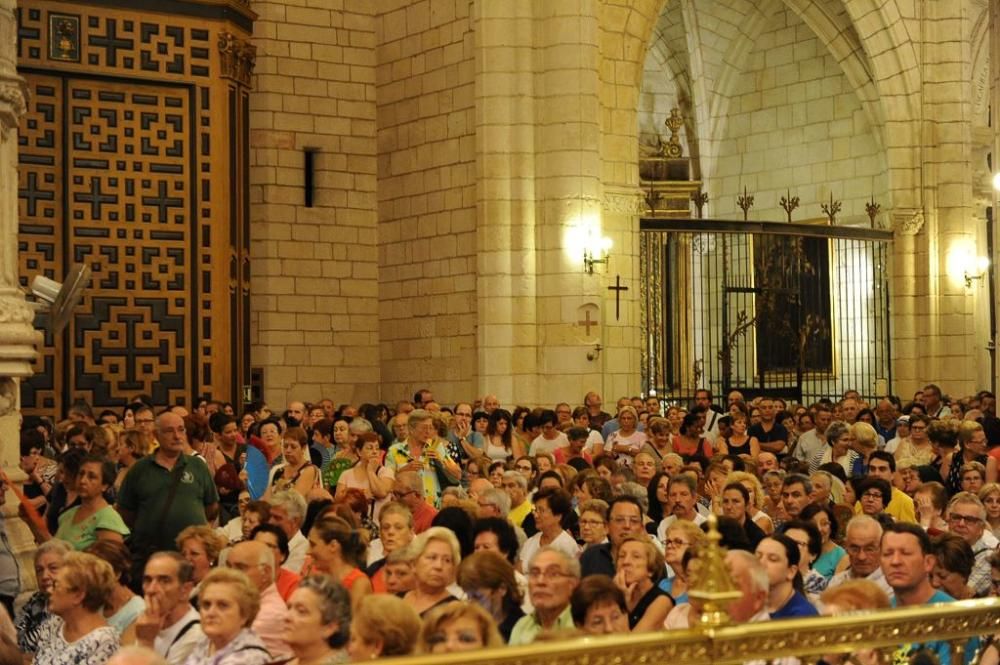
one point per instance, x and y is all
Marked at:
(595, 252)
(982, 265)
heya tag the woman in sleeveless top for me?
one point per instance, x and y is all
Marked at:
(739, 443)
(338, 550)
(297, 472)
(368, 475)
(690, 443)
(971, 448)
(499, 436)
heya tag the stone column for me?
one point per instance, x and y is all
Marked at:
(17, 334)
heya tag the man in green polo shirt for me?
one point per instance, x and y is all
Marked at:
(143, 498)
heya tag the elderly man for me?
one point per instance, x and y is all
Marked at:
(516, 486)
(552, 577)
(170, 626)
(288, 510)
(423, 453)
(490, 404)
(767, 462)
(863, 542)
(171, 491)
(408, 489)
(967, 518)
(255, 559)
(593, 402)
(493, 503)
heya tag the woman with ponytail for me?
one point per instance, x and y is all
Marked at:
(338, 549)
(780, 556)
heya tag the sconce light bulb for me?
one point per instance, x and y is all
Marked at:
(982, 264)
(996, 181)
(606, 244)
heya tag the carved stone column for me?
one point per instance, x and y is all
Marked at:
(17, 334)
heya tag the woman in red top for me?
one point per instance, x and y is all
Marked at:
(690, 443)
(338, 549)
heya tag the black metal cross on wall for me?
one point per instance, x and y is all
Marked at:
(618, 288)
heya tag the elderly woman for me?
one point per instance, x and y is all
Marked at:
(598, 607)
(319, 618)
(918, 445)
(383, 626)
(838, 449)
(338, 550)
(122, 607)
(76, 633)
(874, 495)
(436, 556)
(48, 560)
(489, 580)
(679, 537)
(395, 529)
(458, 627)
(638, 571)
(930, 503)
(201, 546)
(93, 519)
(593, 522)
(228, 603)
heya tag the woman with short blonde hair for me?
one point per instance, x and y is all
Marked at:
(383, 626)
(81, 588)
(200, 545)
(228, 603)
(444, 632)
(436, 556)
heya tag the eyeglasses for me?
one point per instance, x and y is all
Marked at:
(968, 519)
(869, 550)
(874, 494)
(547, 574)
(402, 495)
(591, 523)
(675, 542)
(622, 521)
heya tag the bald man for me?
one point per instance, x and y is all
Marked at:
(256, 560)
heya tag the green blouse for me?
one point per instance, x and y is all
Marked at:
(83, 535)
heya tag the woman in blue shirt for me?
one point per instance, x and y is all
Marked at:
(780, 556)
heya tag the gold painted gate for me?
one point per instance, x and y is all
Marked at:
(133, 159)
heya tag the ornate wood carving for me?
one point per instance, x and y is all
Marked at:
(125, 164)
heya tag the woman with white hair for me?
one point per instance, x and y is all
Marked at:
(436, 555)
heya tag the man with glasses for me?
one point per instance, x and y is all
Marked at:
(552, 577)
(256, 560)
(462, 437)
(407, 488)
(171, 491)
(423, 453)
(863, 542)
(625, 518)
(967, 518)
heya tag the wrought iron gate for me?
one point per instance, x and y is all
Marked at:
(791, 310)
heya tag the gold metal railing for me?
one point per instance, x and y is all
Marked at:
(805, 639)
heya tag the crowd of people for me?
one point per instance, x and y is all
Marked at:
(328, 534)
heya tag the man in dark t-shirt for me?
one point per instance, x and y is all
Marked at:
(772, 436)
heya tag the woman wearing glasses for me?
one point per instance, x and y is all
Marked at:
(680, 536)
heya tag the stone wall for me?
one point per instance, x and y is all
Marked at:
(426, 198)
(315, 270)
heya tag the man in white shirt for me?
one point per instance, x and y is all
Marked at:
(863, 542)
(682, 496)
(813, 441)
(288, 510)
(170, 626)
